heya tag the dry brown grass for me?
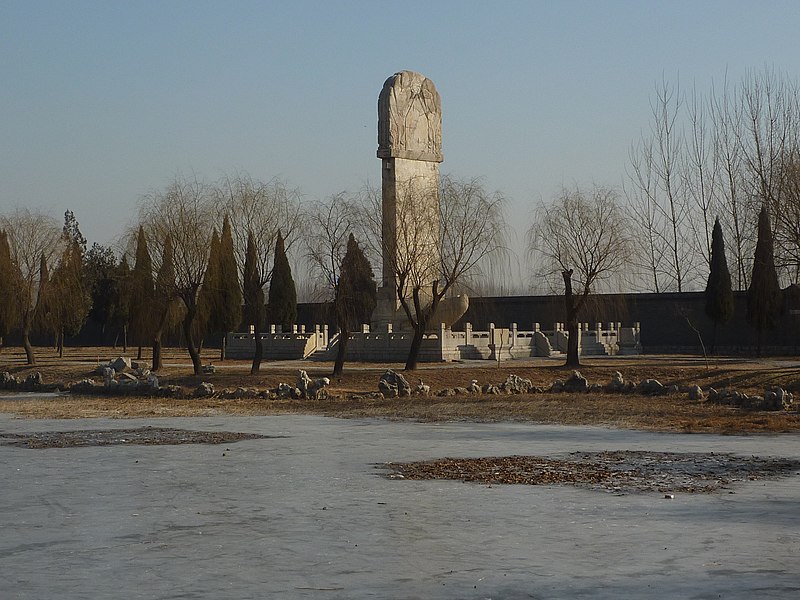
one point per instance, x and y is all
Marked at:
(667, 413)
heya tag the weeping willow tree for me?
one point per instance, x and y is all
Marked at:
(579, 239)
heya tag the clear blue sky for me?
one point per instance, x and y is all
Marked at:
(103, 101)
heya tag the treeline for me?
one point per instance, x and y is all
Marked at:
(723, 153)
(198, 262)
(205, 259)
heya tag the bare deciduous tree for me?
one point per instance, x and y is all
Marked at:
(725, 154)
(329, 222)
(582, 240)
(735, 212)
(770, 139)
(787, 220)
(350, 285)
(701, 178)
(659, 181)
(436, 245)
(768, 106)
(647, 219)
(185, 214)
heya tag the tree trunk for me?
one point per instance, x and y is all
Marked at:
(416, 345)
(421, 323)
(139, 353)
(338, 365)
(190, 345)
(26, 343)
(259, 348)
(573, 359)
(573, 356)
(222, 347)
(713, 339)
(157, 352)
(162, 325)
(124, 339)
(61, 343)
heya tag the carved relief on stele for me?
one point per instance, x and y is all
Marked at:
(410, 118)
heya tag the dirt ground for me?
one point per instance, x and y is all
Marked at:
(667, 413)
(617, 471)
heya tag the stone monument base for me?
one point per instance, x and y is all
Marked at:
(389, 312)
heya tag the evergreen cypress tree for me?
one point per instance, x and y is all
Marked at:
(9, 282)
(100, 270)
(43, 319)
(74, 299)
(164, 304)
(356, 296)
(230, 293)
(37, 317)
(71, 231)
(64, 300)
(764, 298)
(67, 296)
(208, 297)
(253, 300)
(719, 293)
(119, 313)
(108, 282)
(140, 307)
(282, 303)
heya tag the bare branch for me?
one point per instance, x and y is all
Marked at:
(329, 223)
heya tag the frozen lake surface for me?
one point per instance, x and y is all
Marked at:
(304, 513)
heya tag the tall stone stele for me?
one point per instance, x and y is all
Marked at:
(410, 149)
